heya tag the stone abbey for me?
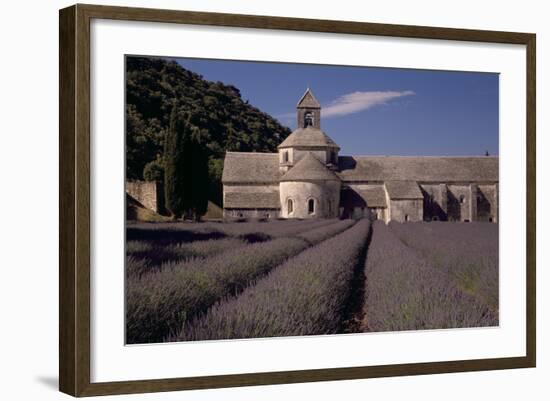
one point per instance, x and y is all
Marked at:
(308, 178)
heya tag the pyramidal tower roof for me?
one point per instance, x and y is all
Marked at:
(308, 100)
(309, 168)
(306, 137)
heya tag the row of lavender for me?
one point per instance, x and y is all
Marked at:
(165, 297)
(467, 252)
(189, 232)
(152, 246)
(306, 295)
(431, 276)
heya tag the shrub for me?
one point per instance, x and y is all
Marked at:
(146, 257)
(154, 171)
(159, 303)
(304, 296)
(403, 291)
(466, 252)
(174, 242)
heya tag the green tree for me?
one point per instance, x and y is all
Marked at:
(215, 171)
(154, 171)
(200, 177)
(186, 177)
(174, 165)
(224, 119)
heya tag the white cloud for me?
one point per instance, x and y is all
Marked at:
(359, 101)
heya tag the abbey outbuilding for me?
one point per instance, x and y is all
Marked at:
(308, 178)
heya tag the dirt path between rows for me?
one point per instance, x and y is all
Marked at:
(354, 314)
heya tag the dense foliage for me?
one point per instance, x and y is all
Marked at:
(185, 168)
(222, 119)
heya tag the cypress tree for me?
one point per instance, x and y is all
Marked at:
(186, 177)
(174, 165)
(200, 182)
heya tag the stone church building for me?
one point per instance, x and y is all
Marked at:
(308, 178)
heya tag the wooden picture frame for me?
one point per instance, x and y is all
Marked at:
(75, 207)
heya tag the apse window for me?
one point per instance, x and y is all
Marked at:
(290, 206)
(311, 206)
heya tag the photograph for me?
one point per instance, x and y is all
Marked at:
(271, 199)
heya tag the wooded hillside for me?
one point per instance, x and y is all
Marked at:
(224, 120)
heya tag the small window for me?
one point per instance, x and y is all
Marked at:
(311, 206)
(462, 198)
(290, 206)
(285, 156)
(406, 217)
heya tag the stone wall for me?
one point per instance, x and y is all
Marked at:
(487, 203)
(378, 213)
(325, 195)
(284, 166)
(322, 154)
(148, 193)
(452, 202)
(354, 205)
(459, 202)
(435, 201)
(300, 114)
(404, 210)
(251, 188)
(236, 214)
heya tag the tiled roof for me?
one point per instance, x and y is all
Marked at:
(255, 200)
(308, 100)
(418, 168)
(373, 196)
(308, 136)
(309, 168)
(403, 190)
(250, 167)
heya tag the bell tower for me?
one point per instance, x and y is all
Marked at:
(308, 111)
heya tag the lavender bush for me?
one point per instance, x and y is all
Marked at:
(158, 303)
(468, 252)
(304, 296)
(187, 232)
(145, 256)
(404, 291)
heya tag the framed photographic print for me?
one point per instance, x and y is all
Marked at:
(250, 200)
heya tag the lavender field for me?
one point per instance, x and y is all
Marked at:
(210, 281)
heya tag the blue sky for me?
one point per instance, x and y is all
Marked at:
(374, 111)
